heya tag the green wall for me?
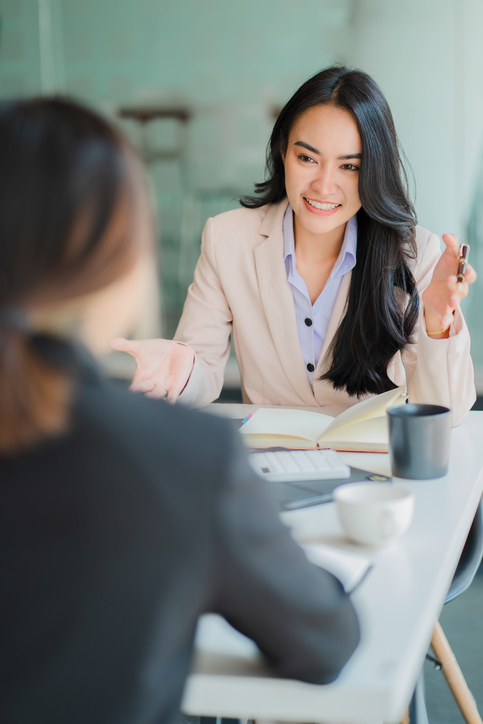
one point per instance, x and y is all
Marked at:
(19, 48)
(231, 65)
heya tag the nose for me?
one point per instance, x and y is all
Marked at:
(324, 183)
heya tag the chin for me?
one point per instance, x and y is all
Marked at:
(316, 227)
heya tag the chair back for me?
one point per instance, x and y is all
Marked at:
(470, 558)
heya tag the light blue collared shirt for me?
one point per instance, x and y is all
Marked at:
(312, 336)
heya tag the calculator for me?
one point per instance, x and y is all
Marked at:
(295, 465)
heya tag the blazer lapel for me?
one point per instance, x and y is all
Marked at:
(277, 301)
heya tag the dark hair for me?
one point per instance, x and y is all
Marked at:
(383, 303)
(67, 200)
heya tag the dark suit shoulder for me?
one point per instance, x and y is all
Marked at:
(154, 432)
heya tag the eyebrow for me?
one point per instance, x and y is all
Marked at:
(349, 157)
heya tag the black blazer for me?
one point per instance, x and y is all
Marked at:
(115, 537)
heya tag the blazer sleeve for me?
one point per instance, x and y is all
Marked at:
(439, 371)
(205, 326)
(298, 614)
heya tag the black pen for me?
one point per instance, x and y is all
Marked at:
(462, 263)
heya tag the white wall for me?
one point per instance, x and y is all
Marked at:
(428, 58)
(427, 55)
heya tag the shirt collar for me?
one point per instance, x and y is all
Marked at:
(348, 253)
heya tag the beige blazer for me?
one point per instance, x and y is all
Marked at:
(240, 287)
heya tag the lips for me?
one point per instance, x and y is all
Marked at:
(321, 205)
(321, 208)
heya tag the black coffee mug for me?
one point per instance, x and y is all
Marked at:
(419, 441)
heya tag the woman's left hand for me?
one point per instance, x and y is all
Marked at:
(444, 294)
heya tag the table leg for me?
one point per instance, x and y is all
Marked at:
(417, 708)
(454, 677)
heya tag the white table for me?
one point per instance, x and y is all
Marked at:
(398, 604)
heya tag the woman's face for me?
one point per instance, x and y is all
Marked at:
(322, 163)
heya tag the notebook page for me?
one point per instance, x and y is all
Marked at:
(367, 409)
(288, 423)
(371, 430)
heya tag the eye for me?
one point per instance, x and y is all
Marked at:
(306, 159)
(350, 167)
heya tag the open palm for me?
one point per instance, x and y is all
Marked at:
(163, 367)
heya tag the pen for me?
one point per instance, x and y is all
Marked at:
(462, 262)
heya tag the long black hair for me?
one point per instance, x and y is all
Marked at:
(383, 303)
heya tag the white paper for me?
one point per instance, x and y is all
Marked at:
(303, 424)
(214, 633)
(349, 568)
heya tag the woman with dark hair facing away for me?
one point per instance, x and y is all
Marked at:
(112, 539)
(331, 290)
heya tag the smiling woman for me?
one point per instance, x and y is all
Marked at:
(331, 290)
(322, 188)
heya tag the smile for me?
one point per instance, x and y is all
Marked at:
(322, 207)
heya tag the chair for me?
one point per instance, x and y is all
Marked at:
(468, 564)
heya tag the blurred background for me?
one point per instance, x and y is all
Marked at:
(197, 86)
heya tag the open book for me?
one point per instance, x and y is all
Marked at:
(362, 427)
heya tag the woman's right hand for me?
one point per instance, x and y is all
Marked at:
(163, 367)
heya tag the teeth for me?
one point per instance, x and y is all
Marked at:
(324, 207)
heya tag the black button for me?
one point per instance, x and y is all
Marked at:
(308, 322)
(310, 367)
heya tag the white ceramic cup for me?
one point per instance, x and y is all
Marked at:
(373, 514)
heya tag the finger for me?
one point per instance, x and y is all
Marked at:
(142, 386)
(448, 317)
(462, 288)
(470, 275)
(457, 289)
(451, 241)
(120, 343)
(452, 281)
(125, 345)
(454, 300)
(172, 395)
(174, 387)
(446, 321)
(155, 395)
